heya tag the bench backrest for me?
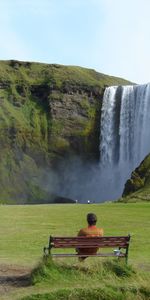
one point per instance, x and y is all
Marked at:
(90, 242)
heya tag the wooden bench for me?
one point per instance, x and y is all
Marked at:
(120, 242)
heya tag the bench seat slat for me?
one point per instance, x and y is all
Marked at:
(91, 255)
(98, 245)
(83, 237)
(126, 238)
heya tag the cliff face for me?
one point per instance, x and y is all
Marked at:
(137, 188)
(47, 113)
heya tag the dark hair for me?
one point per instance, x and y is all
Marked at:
(91, 219)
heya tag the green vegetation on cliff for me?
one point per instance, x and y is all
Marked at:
(46, 113)
(57, 75)
(137, 188)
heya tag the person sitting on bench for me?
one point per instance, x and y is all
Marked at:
(90, 230)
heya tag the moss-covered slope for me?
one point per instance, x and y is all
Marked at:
(137, 188)
(47, 112)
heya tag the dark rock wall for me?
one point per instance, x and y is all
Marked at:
(75, 123)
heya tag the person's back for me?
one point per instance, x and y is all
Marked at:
(90, 230)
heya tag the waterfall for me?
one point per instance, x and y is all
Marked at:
(125, 133)
(124, 142)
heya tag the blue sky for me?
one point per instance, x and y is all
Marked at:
(110, 36)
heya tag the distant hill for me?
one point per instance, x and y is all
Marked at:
(47, 112)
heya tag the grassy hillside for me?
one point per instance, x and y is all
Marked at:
(137, 188)
(47, 112)
(37, 73)
(24, 230)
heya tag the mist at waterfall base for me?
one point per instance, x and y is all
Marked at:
(124, 143)
(82, 181)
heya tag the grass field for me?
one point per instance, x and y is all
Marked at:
(24, 230)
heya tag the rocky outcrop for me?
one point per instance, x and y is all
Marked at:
(47, 113)
(138, 186)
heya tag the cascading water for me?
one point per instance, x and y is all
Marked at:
(125, 134)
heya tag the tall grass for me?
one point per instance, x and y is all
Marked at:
(109, 280)
(52, 271)
(105, 293)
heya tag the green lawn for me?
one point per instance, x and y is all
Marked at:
(24, 230)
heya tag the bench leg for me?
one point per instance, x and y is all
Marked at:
(127, 250)
(127, 259)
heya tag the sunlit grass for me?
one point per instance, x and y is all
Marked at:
(24, 230)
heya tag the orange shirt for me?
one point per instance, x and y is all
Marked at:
(90, 231)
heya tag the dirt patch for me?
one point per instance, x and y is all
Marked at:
(12, 277)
